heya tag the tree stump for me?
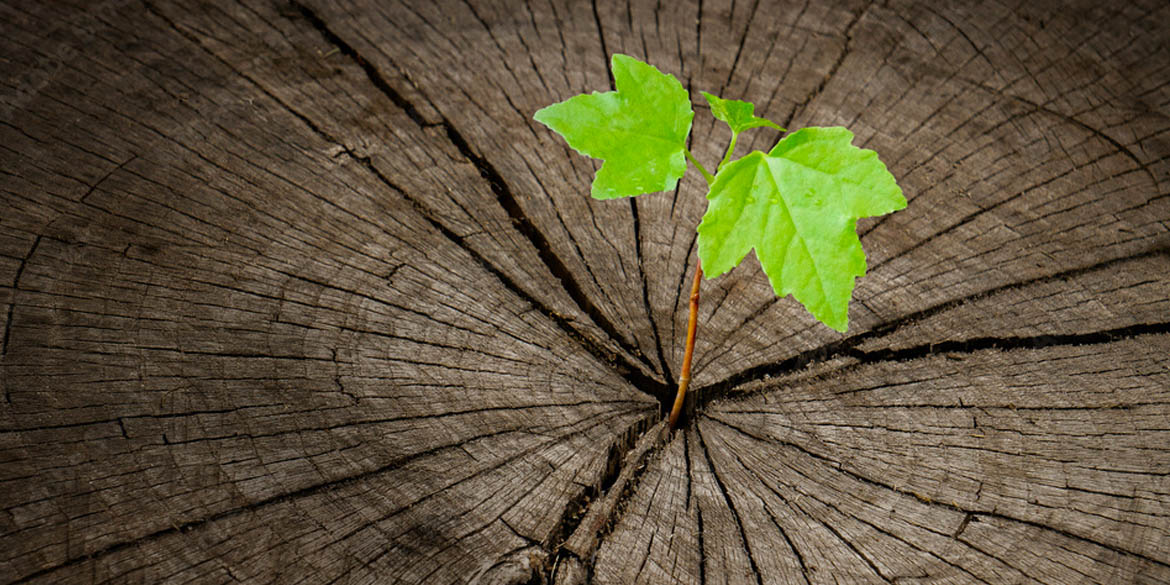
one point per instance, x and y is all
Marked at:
(300, 293)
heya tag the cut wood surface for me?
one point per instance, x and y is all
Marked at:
(298, 292)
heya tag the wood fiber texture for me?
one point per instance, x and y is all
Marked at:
(298, 292)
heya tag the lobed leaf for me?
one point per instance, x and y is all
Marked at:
(640, 129)
(798, 207)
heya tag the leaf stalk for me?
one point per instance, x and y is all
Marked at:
(730, 151)
(706, 176)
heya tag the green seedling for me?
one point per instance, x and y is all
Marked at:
(797, 205)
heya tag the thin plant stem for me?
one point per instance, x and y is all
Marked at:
(706, 176)
(730, 151)
(684, 379)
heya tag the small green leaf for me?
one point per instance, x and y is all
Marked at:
(798, 207)
(739, 115)
(640, 130)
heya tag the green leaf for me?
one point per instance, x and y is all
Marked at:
(798, 207)
(739, 115)
(640, 130)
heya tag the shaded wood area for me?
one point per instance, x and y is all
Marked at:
(297, 292)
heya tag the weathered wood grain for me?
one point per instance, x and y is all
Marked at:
(993, 467)
(298, 292)
(204, 344)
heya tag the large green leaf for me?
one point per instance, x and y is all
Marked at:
(798, 207)
(640, 130)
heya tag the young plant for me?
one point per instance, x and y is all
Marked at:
(797, 205)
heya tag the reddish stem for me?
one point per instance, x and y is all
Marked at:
(684, 379)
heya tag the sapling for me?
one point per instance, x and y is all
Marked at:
(797, 205)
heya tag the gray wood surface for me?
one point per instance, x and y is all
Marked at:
(297, 292)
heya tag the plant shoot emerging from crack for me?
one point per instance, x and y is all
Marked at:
(796, 206)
